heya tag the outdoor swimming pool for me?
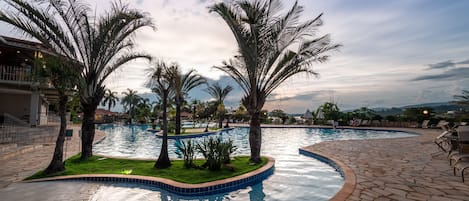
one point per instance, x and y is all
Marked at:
(296, 177)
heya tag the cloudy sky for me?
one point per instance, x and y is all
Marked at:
(394, 53)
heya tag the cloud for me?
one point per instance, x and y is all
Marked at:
(452, 74)
(464, 62)
(441, 65)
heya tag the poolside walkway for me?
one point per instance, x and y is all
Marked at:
(397, 169)
(19, 167)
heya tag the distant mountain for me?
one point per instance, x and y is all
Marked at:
(432, 105)
(440, 107)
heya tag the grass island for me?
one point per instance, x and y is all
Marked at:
(177, 172)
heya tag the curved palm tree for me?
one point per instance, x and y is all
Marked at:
(130, 100)
(64, 80)
(110, 99)
(219, 94)
(159, 79)
(273, 47)
(182, 84)
(97, 44)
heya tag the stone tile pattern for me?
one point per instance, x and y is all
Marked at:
(17, 168)
(397, 169)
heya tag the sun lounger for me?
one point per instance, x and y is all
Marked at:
(443, 139)
(425, 123)
(460, 167)
(463, 145)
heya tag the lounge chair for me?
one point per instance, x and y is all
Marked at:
(460, 167)
(444, 138)
(425, 123)
(439, 124)
(463, 145)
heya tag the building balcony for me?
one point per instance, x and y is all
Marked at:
(15, 74)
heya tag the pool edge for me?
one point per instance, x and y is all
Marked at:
(348, 174)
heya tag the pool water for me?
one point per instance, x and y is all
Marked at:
(296, 177)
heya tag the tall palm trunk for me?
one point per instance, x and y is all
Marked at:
(57, 165)
(220, 121)
(163, 160)
(255, 137)
(88, 131)
(178, 116)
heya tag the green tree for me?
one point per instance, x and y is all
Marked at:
(100, 44)
(130, 101)
(280, 114)
(143, 110)
(159, 79)
(273, 47)
(219, 94)
(182, 84)
(63, 78)
(110, 99)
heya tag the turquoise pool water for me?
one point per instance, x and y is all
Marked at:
(296, 177)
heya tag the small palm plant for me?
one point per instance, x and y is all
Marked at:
(187, 148)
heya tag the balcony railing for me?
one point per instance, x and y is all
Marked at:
(15, 73)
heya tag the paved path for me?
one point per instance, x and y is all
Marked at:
(398, 169)
(17, 168)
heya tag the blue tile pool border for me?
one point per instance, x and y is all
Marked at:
(324, 160)
(209, 188)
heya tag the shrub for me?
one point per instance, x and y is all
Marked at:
(216, 152)
(188, 152)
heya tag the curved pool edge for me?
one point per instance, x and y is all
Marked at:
(185, 189)
(346, 172)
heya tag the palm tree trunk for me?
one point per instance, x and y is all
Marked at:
(57, 164)
(178, 117)
(163, 160)
(220, 121)
(255, 138)
(87, 129)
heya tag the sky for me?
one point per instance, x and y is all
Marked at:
(394, 53)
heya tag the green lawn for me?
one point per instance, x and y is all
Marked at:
(100, 165)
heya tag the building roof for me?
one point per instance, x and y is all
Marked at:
(24, 44)
(100, 111)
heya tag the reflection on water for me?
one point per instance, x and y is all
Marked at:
(296, 177)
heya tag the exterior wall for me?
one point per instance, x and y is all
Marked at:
(16, 105)
(43, 113)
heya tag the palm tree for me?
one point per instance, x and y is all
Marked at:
(182, 84)
(63, 78)
(463, 99)
(272, 48)
(219, 94)
(99, 44)
(159, 79)
(330, 110)
(130, 100)
(110, 99)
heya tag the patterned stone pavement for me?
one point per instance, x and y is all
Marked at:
(398, 169)
(19, 167)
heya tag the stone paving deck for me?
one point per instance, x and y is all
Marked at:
(397, 169)
(24, 165)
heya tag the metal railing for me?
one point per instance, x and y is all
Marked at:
(15, 131)
(15, 73)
